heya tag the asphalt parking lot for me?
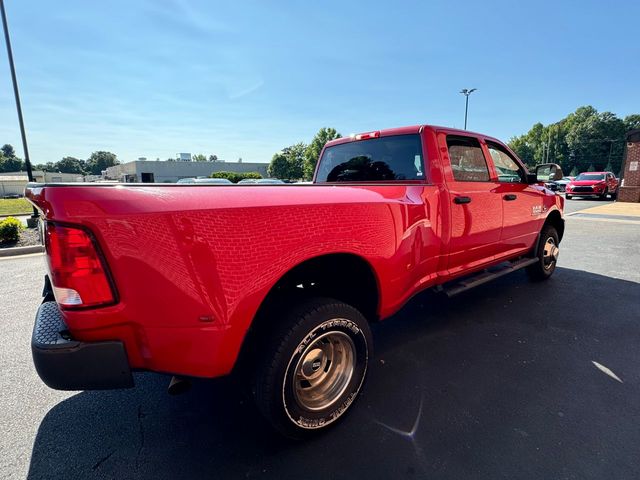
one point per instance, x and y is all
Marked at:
(511, 380)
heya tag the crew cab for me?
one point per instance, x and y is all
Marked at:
(280, 283)
(588, 184)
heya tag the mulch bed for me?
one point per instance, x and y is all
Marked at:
(27, 238)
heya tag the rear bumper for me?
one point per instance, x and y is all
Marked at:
(66, 364)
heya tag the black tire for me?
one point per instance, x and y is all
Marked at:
(614, 195)
(568, 197)
(604, 195)
(314, 342)
(545, 266)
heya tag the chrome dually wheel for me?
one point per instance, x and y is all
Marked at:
(550, 253)
(547, 251)
(324, 371)
(315, 365)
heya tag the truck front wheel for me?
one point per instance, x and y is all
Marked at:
(313, 367)
(547, 252)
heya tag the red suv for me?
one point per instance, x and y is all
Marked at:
(598, 184)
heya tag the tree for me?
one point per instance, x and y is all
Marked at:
(99, 161)
(11, 164)
(596, 139)
(8, 160)
(279, 166)
(45, 167)
(523, 149)
(70, 165)
(632, 122)
(312, 152)
(213, 158)
(8, 151)
(199, 157)
(289, 163)
(235, 177)
(585, 138)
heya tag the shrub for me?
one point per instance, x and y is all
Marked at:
(235, 177)
(10, 229)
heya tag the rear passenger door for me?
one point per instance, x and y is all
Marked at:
(521, 203)
(476, 212)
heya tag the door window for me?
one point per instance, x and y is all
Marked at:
(467, 160)
(508, 169)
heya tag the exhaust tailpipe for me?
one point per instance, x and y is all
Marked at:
(178, 385)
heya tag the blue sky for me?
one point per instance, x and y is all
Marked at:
(244, 79)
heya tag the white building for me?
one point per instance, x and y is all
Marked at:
(170, 172)
(13, 183)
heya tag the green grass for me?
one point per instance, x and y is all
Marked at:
(15, 206)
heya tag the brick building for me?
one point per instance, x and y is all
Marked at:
(630, 190)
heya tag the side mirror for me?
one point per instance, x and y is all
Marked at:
(548, 172)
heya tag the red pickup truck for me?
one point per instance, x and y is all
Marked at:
(197, 280)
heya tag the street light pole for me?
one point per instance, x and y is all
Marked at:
(466, 93)
(16, 93)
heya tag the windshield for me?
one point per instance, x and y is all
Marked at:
(394, 158)
(590, 176)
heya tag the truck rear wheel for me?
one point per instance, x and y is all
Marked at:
(314, 367)
(547, 252)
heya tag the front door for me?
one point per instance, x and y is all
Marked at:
(522, 203)
(476, 212)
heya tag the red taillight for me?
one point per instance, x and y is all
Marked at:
(78, 275)
(365, 136)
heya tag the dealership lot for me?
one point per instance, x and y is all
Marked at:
(514, 379)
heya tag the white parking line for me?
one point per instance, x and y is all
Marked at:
(606, 371)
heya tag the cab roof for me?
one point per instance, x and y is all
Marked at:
(413, 129)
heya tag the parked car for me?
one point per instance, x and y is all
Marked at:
(552, 186)
(563, 182)
(269, 181)
(205, 180)
(213, 181)
(282, 287)
(261, 181)
(599, 184)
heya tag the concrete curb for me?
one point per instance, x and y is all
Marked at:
(13, 251)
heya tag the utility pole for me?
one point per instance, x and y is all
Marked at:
(610, 150)
(466, 93)
(16, 93)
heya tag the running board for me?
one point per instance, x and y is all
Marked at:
(485, 276)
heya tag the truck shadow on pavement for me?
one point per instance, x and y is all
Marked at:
(497, 382)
